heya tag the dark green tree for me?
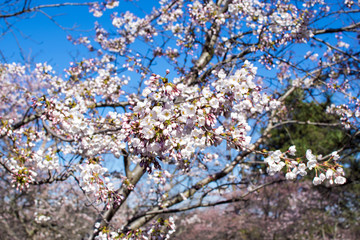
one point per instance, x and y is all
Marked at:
(309, 127)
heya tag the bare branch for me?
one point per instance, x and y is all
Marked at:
(37, 8)
(212, 204)
(307, 123)
(351, 28)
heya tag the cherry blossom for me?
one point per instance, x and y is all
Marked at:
(177, 105)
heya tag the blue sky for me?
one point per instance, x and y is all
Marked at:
(41, 40)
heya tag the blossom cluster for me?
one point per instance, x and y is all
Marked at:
(164, 125)
(99, 7)
(93, 181)
(328, 169)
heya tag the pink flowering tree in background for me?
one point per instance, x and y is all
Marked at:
(179, 103)
(284, 210)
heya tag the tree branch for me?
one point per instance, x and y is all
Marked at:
(232, 200)
(105, 217)
(36, 8)
(350, 28)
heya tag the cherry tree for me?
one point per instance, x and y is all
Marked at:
(179, 101)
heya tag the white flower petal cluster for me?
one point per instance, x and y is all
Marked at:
(330, 174)
(277, 161)
(40, 218)
(90, 177)
(292, 150)
(312, 162)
